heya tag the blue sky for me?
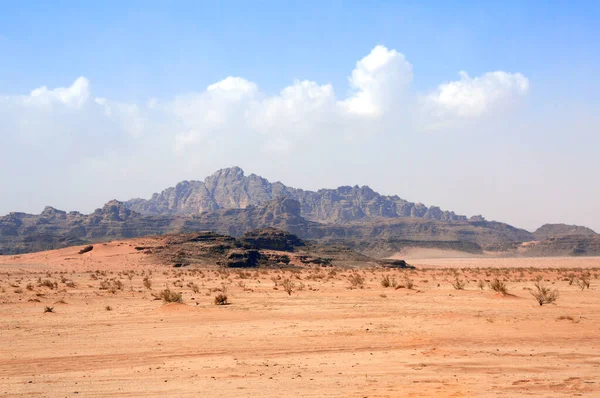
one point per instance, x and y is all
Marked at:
(274, 42)
(134, 52)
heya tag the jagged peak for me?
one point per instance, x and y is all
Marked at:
(234, 171)
(51, 211)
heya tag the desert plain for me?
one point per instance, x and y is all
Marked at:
(93, 325)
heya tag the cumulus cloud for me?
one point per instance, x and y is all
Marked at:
(74, 96)
(473, 97)
(378, 81)
(71, 131)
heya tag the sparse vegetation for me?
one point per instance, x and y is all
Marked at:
(386, 281)
(481, 284)
(195, 288)
(356, 280)
(499, 286)
(583, 282)
(458, 284)
(544, 295)
(147, 283)
(288, 286)
(169, 296)
(221, 299)
(48, 309)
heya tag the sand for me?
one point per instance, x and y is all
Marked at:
(326, 339)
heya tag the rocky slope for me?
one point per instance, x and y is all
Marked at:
(267, 247)
(54, 228)
(231, 189)
(561, 230)
(229, 203)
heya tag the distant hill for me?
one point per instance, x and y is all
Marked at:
(561, 230)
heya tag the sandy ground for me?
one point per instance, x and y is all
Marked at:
(326, 339)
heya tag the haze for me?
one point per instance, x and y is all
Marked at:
(487, 110)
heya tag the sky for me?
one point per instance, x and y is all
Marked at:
(485, 108)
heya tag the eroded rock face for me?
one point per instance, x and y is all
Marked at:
(272, 239)
(231, 189)
(561, 230)
(243, 259)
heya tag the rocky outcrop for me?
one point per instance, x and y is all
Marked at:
(272, 239)
(570, 245)
(561, 230)
(231, 189)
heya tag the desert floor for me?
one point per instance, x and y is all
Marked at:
(327, 339)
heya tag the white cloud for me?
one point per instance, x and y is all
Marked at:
(378, 82)
(74, 96)
(473, 97)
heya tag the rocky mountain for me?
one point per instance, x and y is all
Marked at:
(229, 203)
(231, 189)
(561, 230)
(53, 228)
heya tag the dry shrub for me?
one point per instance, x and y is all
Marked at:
(409, 283)
(48, 309)
(288, 285)
(481, 284)
(544, 295)
(221, 299)
(386, 281)
(499, 286)
(147, 283)
(48, 283)
(584, 282)
(458, 284)
(195, 288)
(356, 280)
(169, 296)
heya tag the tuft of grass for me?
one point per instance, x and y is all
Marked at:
(288, 286)
(169, 296)
(48, 283)
(409, 283)
(356, 280)
(544, 295)
(458, 284)
(499, 286)
(221, 299)
(108, 308)
(480, 284)
(584, 282)
(386, 281)
(48, 309)
(147, 283)
(195, 288)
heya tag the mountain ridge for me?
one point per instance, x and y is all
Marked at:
(231, 188)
